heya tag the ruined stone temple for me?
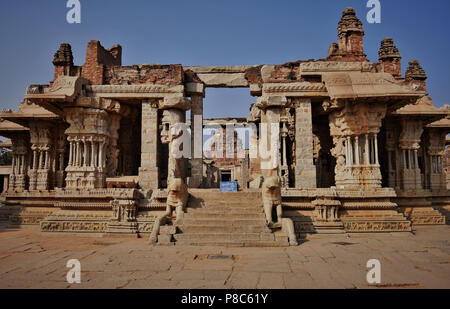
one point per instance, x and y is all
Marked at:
(361, 147)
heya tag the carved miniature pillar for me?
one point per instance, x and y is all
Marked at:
(391, 148)
(77, 153)
(196, 178)
(357, 162)
(47, 160)
(350, 151)
(32, 173)
(34, 158)
(377, 162)
(92, 158)
(96, 150)
(366, 153)
(305, 171)
(84, 157)
(70, 152)
(102, 157)
(12, 176)
(284, 163)
(149, 171)
(41, 159)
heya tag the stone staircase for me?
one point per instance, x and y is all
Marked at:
(233, 219)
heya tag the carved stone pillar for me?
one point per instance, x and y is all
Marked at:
(354, 130)
(435, 152)
(174, 134)
(32, 173)
(174, 112)
(409, 141)
(269, 134)
(60, 157)
(17, 179)
(88, 126)
(305, 171)
(391, 148)
(284, 164)
(196, 177)
(41, 170)
(149, 171)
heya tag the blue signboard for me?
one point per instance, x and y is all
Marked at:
(229, 186)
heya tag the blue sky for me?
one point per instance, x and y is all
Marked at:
(209, 32)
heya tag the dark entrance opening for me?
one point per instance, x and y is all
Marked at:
(225, 176)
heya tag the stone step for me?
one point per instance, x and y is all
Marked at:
(251, 201)
(223, 222)
(220, 211)
(198, 228)
(219, 196)
(215, 192)
(258, 244)
(237, 203)
(224, 216)
(228, 208)
(218, 237)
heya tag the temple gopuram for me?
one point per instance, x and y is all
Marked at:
(361, 149)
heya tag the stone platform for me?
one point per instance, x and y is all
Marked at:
(30, 259)
(232, 219)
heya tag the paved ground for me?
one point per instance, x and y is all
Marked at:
(29, 259)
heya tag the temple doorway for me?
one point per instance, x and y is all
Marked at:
(225, 107)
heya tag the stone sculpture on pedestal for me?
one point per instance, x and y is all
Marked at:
(271, 191)
(177, 199)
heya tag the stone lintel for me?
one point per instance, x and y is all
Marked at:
(224, 80)
(220, 69)
(135, 91)
(181, 103)
(302, 89)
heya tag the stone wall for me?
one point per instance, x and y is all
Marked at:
(145, 74)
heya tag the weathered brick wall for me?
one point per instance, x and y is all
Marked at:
(145, 74)
(286, 73)
(97, 58)
(253, 75)
(393, 68)
(356, 43)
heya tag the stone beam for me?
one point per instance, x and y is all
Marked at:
(222, 76)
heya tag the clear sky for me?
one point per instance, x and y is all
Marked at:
(210, 32)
